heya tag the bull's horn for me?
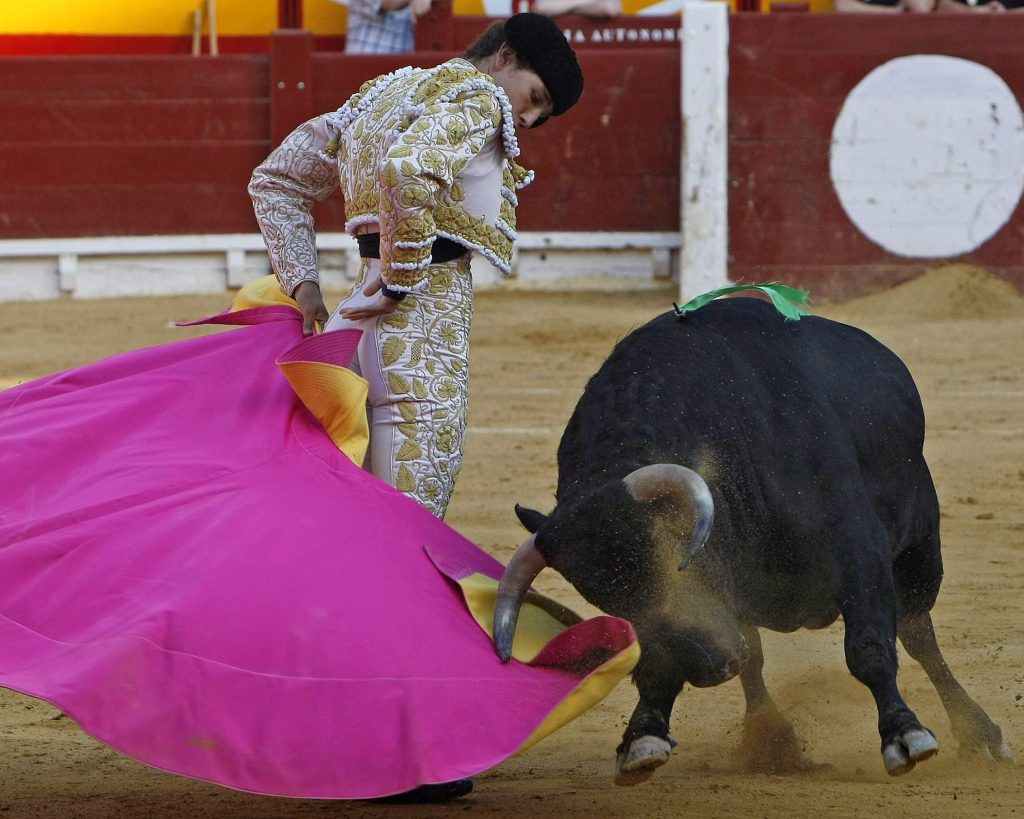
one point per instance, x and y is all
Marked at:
(521, 571)
(659, 480)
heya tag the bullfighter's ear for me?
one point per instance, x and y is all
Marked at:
(530, 518)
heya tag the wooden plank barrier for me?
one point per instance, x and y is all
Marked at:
(112, 146)
(132, 146)
(789, 78)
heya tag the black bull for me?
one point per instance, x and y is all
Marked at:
(802, 441)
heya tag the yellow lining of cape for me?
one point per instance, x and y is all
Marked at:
(262, 292)
(540, 620)
(337, 398)
(335, 395)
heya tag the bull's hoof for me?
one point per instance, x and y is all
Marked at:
(981, 739)
(996, 752)
(641, 759)
(907, 749)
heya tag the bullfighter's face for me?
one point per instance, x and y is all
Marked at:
(531, 102)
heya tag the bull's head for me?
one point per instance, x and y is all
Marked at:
(605, 522)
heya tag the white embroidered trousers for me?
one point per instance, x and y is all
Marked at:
(416, 361)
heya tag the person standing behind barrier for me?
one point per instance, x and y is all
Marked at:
(599, 9)
(426, 161)
(382, 26)
(979, 6)
(939, 6)
(885, 6)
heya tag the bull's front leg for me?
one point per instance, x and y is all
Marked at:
(671, 654)
(769, 743)
(646, 744)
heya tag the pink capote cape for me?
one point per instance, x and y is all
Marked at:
(193, 570)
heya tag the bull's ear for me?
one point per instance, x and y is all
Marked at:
(530, 518)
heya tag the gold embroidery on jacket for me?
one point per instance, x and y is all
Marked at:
(400, 162)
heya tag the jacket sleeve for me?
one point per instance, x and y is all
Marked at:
(283, 190)
(425, 160)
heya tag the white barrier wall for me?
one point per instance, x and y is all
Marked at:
(107, 267)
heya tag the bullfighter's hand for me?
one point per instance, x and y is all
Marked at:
(311, 303)
(381, 306)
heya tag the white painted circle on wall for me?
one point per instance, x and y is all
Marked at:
(928, 155)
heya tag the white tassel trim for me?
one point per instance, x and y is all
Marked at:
(505, 228)
(424, 243)
(410, 265)
(526, 180)
(359, 221)
(344, 116)
(487, 253)
(401, 288)
(411, 110)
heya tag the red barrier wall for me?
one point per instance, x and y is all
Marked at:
(134, 145)
(789, 76)
(151, 145)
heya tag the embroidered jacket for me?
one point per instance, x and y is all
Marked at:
(418, 153)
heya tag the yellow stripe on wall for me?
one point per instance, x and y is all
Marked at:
(323, 16)
(168, 18)
(469, 8)
(234, 17)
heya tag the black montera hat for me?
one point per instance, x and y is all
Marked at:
(540, 42)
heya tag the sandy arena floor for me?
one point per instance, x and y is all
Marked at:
(961, 333)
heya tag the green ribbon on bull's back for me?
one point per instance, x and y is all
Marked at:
(787, 300)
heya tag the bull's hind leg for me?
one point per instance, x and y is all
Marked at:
(973, 728)
(769, 742)
(918, 573)
(866, 596)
